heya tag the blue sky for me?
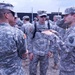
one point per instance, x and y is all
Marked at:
(48, 5)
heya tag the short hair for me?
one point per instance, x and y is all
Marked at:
(2, 12)
(41, 13)
(6, 7)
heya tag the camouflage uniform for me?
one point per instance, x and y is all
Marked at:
(12, 47)
(41, 45)
(67, 62)
(60, 30)
(56, 51)
(56, 28)
(56, 18)
(19, 23)
(28, 30)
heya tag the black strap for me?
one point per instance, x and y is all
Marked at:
(48, 24)
(34, 30)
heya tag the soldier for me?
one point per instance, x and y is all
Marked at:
(12, 44)
(61, 32)
(67, 45)
(56, 18)
(48, 20)
(35, 20)
(27, 27)
(40, 46)
(19, 23)
(67, 62)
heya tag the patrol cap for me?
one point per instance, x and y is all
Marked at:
(70, 10)
(57, 16)
(7, 6)
(25, 17)
(42, 13)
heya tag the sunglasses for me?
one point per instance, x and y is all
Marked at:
(13, 13)
(43, 16)
(66, 14)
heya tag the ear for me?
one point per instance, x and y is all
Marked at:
(6, 15)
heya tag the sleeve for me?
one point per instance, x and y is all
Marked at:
(70, 42)
(20, 42)
(54, 46)
(23, 29)
(30, 39)
(30, 45)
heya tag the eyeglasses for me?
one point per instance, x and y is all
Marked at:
(12, 13)
(43, 16)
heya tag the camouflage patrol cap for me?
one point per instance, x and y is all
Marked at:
(70, 10)
(57, 17)
(6, 6)
(41, 13)
(25, 17)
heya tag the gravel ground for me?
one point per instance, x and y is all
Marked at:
(50, 70)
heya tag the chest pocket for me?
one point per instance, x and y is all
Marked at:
(41, 44)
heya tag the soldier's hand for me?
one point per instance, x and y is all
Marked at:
(47, 32)
(24, 36)
(31, 56)
(26, 51)
(53, 31)
(25, 54)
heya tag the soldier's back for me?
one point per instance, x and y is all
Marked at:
(9, 60)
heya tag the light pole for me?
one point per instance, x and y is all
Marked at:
(32, 9)
(58, 11)
(32, 14)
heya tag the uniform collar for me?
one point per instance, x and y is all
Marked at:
(4, 24)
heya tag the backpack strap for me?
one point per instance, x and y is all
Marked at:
(48, 24)
(34, 30)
